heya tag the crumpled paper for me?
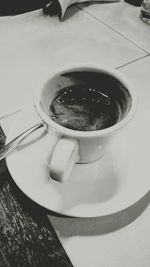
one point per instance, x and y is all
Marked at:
(64, 4)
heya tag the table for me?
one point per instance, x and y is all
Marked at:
(31, 46)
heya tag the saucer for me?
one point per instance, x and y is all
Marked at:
(109, 185)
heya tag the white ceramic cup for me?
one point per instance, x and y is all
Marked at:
(76, 146)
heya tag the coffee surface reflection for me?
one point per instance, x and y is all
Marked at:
(84, 108)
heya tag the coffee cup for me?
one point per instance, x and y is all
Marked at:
(86, 105)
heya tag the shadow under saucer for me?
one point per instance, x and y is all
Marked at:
(69, 227)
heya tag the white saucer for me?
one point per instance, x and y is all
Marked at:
(115, 182)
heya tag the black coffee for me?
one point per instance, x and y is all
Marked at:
(84, 109)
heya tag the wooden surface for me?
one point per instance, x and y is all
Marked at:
(27, 238)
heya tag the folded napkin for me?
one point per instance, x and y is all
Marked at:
(27, 238)
(59, 7)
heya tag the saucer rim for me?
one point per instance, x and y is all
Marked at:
(68, 212)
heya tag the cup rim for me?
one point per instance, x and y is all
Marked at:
(87, 134)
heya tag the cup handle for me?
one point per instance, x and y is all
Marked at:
(64, 157)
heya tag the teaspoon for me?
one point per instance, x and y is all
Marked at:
(7, 148)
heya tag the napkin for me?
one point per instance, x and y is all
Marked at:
(59, 7)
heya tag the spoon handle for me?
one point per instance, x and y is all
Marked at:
(7, 148)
